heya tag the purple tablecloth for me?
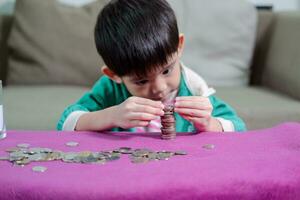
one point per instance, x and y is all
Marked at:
(263, 164)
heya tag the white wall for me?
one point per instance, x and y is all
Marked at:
(280, 4)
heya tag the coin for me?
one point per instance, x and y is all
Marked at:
(4, 158)
(138, 160)
(208, 146)
(39, 169)
(101, 162)
(23, 162)
(35, 157)
(181, 153)
(125, 150)
(23, 145)
(163, 156)
(12, 149)
(72, 144)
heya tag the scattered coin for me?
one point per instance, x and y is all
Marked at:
(181, 153)
(24, 145)
(72, 144)
(39, 169)
(12, 149)
(22, 157)
(139, 160)
(208, 146)
(4, 158)
(125, 150)
(22, 162)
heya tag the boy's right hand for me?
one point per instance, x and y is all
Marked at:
(136, 112)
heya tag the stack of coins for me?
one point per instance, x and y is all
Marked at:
(168, 130)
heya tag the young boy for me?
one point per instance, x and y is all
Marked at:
(141, 47)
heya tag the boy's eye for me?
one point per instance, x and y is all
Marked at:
(142, 82)
(167, 71)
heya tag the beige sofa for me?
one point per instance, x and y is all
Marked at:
(271, 97)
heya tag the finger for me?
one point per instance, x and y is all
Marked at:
(191, 98)
(194, 120)
(186, 117)
(149, 102)
(194, 105)
(139, 123)
(142, 116)
(192, 112)
(149, 110)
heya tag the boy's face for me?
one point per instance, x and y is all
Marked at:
(157, 85)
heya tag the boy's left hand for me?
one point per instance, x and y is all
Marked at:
(198, 110)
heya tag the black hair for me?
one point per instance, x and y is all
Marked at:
(136, 36)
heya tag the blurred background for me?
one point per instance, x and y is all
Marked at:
(278, 5)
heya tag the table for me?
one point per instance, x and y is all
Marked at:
(262, 164)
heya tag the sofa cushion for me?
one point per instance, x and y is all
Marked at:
(282, 65)
(260, 107)
(5, 27)
(220, 37)
(37, 107)
(264, 32)
(52, 43)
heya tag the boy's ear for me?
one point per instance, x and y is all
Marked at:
(105, 70)
(181, 44)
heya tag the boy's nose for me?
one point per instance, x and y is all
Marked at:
(159, 86)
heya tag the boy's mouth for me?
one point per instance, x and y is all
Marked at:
(157, 99)
(169, 96)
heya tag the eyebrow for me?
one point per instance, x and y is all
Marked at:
(140, 78)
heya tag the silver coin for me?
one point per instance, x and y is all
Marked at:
(22, 162)
(164, 155)
(125, 150)
(138, 160)
(39, 169)
(101, 162)
(35, 150)
(72, 144)
(4, 158)
(181, 153)
(67, 157)
(12, 149)
(208, 146)
(45, 150)
(23, 145)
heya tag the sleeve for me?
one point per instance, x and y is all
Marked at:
(90, 101)
(222, 111)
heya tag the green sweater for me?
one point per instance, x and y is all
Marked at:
(106, 93)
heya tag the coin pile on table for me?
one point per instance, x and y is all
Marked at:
(168, 129)
(23, 155)
(146, 155)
